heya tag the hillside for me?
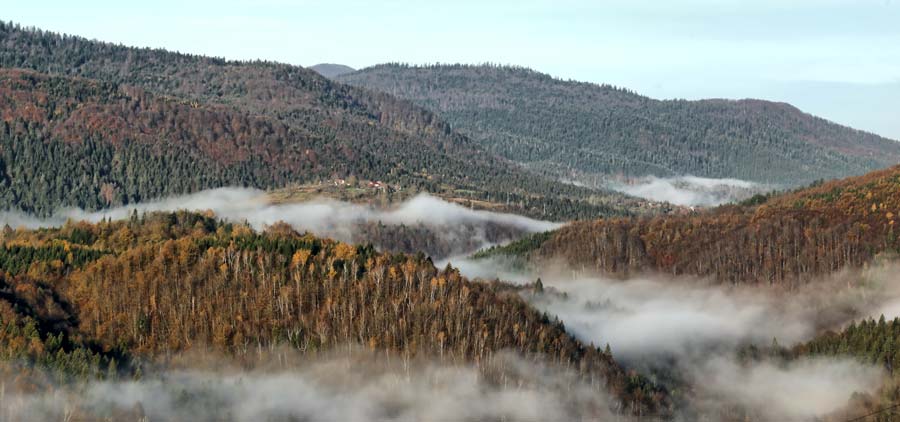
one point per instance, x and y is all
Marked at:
(787, 238)
(578, 130)
(96, 300)
(871, 342)
(107, 124)
(331, 70)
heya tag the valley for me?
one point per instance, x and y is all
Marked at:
(189, 237)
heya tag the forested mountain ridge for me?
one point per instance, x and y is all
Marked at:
(91, 299)
(570, 128)
(787, 238)
(216, 144)
(252, 123)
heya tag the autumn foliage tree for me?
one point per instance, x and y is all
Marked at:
(788, 238)
(167, 283)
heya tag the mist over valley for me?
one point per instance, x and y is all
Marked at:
(426, 226)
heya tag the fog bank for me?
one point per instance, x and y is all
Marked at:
(799, 390)
(689, 190)
(424, 222)
(346, 388)
(689, 332)
(651, 316)
(647, 318)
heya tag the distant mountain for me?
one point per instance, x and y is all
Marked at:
(330, 70)
(579, 130)
(92, 124)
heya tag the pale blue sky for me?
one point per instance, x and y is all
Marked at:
(839, 59)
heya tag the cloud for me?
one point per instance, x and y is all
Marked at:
(688, 332)
(689, 190)
(494, 268)
(643, 318)
(356, 387)
(799, 390)
(652, 316)
(449, 228)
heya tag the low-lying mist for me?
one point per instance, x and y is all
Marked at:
(352, 387)
(658, 315)
(423, 223)
(688, 331)
(689, 190)
(804, 389)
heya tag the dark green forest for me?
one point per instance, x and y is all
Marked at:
(103, 124)
(872, 342)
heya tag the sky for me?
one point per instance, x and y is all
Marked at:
(839, 59)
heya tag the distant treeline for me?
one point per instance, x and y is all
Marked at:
(569, 128)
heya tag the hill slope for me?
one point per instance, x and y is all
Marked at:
(255, 123)
(871, 342)
(788, 238)
(574, 129)
(166, 283)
